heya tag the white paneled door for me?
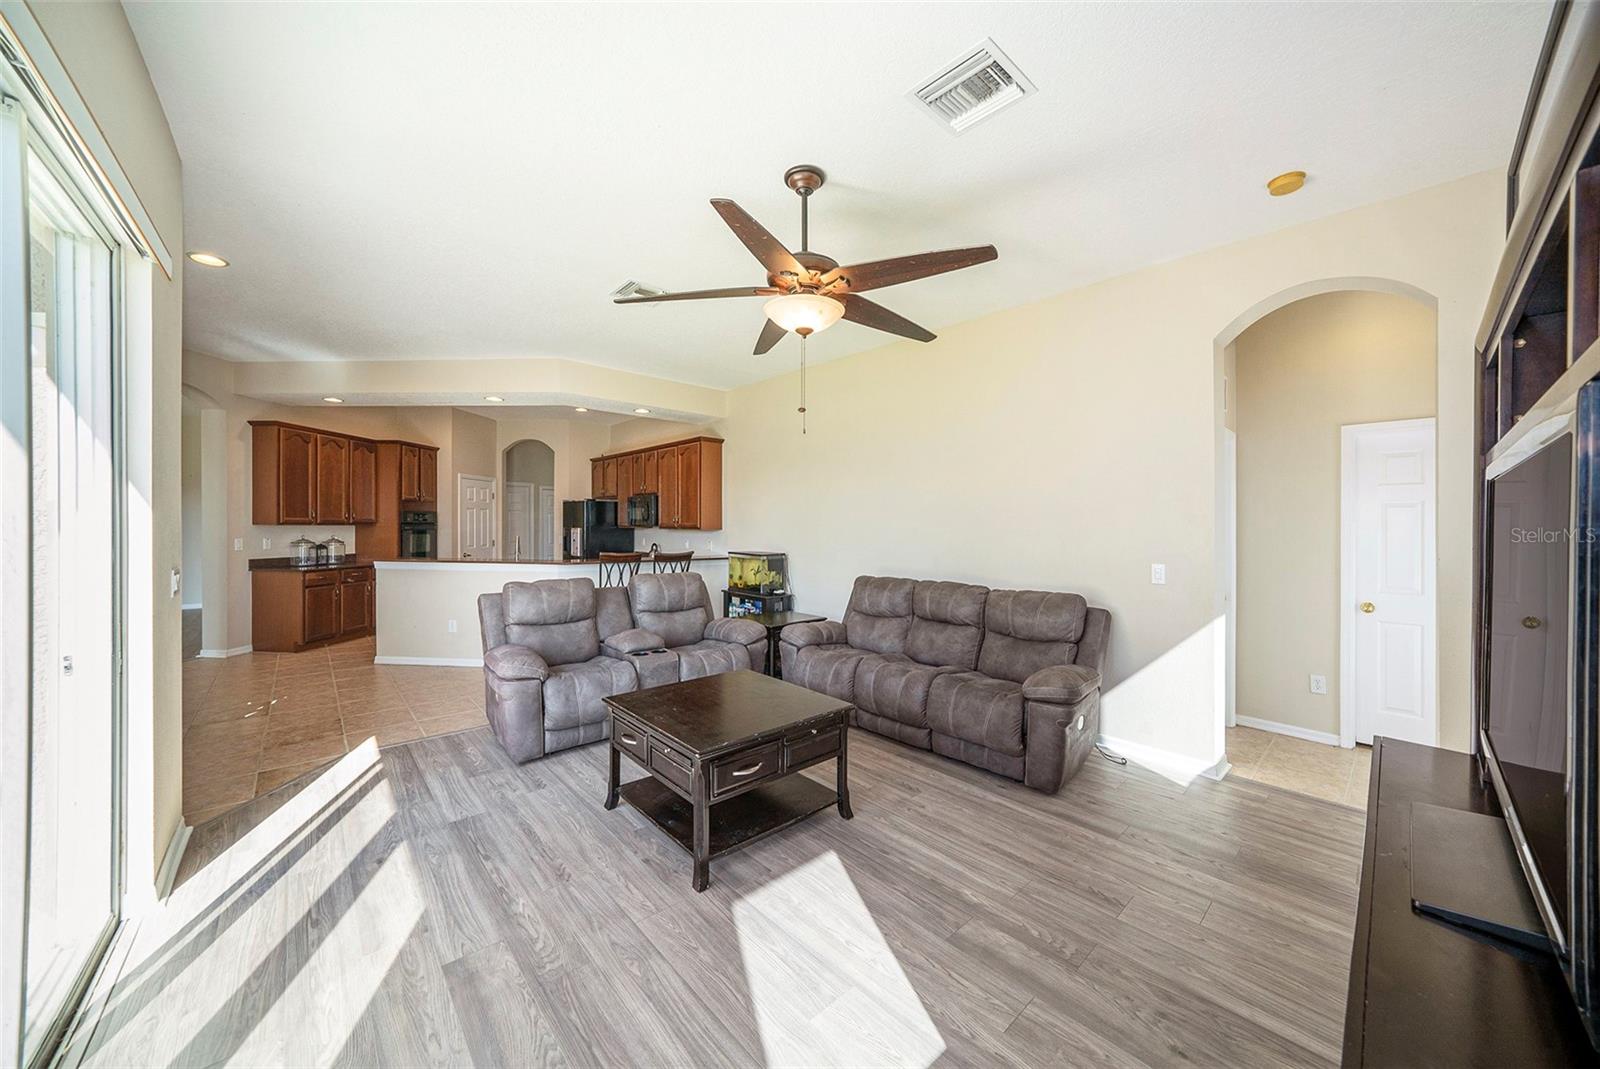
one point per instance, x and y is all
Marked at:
(475, 529)
(1389, 655)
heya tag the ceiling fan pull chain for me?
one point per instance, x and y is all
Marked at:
(802, 384)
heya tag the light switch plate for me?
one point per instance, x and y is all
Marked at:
(238, 545)
(1158, 574)
(450, 627)
(1319, 684)
(177, 582)
(266, 543)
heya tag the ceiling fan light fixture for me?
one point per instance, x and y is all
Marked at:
(804, 313)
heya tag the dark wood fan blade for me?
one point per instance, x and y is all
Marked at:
(881, 273)
(860, 310)
(768, 249)
(696, 295)
(771, 334)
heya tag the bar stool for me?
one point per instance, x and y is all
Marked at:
(617, 568)
(672, 562)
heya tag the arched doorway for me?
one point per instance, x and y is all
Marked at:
(1297, 374)
(528, 510)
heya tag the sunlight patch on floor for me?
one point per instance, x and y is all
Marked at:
(824, 985)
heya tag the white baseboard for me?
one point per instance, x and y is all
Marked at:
(168, 872)
(196, 605)
(1327, 738)
(1174, 766)
(236, 651)
(444, 662)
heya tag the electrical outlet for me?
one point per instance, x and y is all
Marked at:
(1158, 574)
(450, 627)
(238, 545)
(266, 543)
(1319, 684)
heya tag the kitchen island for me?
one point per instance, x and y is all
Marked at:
(427, 610)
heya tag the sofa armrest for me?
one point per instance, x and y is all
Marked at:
(1061, 684)
(825, 633)
(735, 630)
(633, 640)
(516, 662)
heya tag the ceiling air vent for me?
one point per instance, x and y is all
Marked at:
(974, 87)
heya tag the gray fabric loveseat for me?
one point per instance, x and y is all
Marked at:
(554, 649)
(1007, 680)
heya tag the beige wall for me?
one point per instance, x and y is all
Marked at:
(98, 50)
(1071, 443)
(193, 573)
(1303, 372)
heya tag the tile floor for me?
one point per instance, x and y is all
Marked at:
(256, 721)
(1328, 772)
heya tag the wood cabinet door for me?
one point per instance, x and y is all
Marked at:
(667, 503)
(597, 479)
(428, 474)
(608, 477)
(372, 601)
(321, 612)
(353, 609)
(410, 473)
(333, 479)
(651, 463)
(638, 473)
(297, 476)
(689, 485)
(363, 481)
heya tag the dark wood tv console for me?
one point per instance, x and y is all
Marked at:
(1423, 992)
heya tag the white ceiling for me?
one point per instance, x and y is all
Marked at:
(421, 181)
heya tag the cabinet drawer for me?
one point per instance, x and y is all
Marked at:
(670, 765)
(742, 769)
(809, 745)
(631, 741)
(357, 575)
(319, 578)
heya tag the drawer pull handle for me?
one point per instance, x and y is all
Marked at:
(629, 740)
(752, 770)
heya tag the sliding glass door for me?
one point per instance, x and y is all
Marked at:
(73, 712)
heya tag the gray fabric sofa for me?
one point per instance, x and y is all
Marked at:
(1007, 680)
(554, 649)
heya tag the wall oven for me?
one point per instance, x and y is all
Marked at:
(419, 535)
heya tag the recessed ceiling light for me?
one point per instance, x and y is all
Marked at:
(208, 259)
(492, 397)
(1286, 183)
(580, 408)
(334, 400)
(642, 411)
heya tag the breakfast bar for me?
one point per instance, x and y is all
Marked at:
(427, 610)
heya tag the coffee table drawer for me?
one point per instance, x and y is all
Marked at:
(809, 745)
(742, 769)
(670, 765)
(631, 741)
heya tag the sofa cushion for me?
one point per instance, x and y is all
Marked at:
(573, 693)
(1026, 630)
(879, 615)
(828, 670)
(516, 662)
(633, 640)
(553, 617)
(709, 658)
(978, 709)
(947, 624)
(894, 686)
(1061, 684)
(674, 605)
(612, 613)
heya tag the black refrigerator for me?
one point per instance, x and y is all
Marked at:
(590, 527)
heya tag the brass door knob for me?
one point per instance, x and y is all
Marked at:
(1531, 622)
(1366, 606)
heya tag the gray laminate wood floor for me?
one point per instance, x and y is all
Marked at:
(433, 904)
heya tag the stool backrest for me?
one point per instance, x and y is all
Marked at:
(617, 569)
(672, 562)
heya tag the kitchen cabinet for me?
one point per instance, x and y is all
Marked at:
(283, 474)
(428, 474)
(410, 472)
(333, 479)
(685, 476)
(292, 609)
(363, 481)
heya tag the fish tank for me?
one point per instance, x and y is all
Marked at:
(758, 573)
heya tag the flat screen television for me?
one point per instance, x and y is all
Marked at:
(1537, 729)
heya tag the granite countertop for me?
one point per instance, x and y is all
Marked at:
(286, 563)
(503, 561)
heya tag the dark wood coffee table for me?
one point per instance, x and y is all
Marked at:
(722, 752)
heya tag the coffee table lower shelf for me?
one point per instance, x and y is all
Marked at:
(737, 822)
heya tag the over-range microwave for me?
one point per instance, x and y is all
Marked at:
(642, 510)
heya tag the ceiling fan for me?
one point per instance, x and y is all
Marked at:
(810, 291)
